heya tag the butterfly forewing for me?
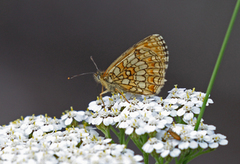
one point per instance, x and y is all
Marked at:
(141, 69)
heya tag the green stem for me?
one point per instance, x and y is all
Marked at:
(114, 131)
(108, 133)
(144, 138)
(176, 160)
(138, 144)
(122, 136)
(210, 85)
(184, 155)
(201, 152)
(168, 161)
(161, 159)
(157, 159)
(145, 156)
(127, 140)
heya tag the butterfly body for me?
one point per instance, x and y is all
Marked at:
(110, 87)
(139, 70)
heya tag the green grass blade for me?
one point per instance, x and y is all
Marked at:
(225, 41)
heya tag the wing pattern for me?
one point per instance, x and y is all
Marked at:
(141, 69)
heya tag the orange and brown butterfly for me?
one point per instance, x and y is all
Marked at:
(139, 70)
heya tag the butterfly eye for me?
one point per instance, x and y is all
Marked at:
(97, 76)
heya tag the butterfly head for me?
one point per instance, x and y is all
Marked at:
(97, 76)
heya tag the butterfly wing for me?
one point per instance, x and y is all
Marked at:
(141, 69)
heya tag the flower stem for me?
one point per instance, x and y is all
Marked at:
(145, 156)
(122, 136)
(127, 140)
(210, 85)
(114, 131)
(201, 152)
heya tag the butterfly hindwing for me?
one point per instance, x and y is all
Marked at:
(141, 69)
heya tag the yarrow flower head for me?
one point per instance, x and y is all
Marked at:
(72, 115)
(67, 146)
(168, 122)
(161, 127)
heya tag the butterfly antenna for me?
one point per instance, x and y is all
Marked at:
(86, 73)
(94, 62)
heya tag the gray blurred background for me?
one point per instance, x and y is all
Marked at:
(44, 42)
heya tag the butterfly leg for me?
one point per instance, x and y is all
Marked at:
(122, 95)
(103, 92)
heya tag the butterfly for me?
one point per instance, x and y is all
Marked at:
(139, 70)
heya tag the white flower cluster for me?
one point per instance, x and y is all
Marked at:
(38, 139)
(165, 125)
(166, 143)
(172, 120)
